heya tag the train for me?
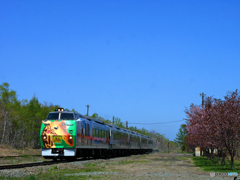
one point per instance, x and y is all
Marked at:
(69, 135)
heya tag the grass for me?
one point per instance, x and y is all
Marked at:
(53, 168)
(90, 165)
(56, 174)
(207, 165)
(183, 152)
(130, 162)
(21, 159)
(184, 157)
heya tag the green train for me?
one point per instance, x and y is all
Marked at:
(67, 134)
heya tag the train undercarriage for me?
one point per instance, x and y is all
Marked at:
(59, 153)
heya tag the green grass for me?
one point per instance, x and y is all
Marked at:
(207, 165)
(90, 165)
(53, 168)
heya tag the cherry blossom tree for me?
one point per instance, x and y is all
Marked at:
(216, 125)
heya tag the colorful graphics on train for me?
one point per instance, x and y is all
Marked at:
(58, 134)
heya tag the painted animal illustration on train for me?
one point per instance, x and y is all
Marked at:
(55, 132)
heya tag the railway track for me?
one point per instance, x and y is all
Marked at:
(16, 166)
(44, 163)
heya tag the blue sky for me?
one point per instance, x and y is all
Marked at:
(141, 61)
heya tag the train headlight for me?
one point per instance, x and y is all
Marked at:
(70, 137)
(45, 137)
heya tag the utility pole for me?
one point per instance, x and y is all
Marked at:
(126, 124)
(87, 108)
(113, 119)
(202, 94)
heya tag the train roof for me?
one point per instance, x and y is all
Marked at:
(100, 122)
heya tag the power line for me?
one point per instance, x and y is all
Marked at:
(100, 113)
(157, 123)
(139, 123)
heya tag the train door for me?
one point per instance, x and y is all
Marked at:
(78, 133)
(107, 137)
(110, 138)
(82, 133)
(129, 140)
(87, 134)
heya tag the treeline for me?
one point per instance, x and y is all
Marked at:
(20, 121)
(216, 125)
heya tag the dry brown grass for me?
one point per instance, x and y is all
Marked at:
(6, 151)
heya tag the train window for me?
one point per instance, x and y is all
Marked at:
(52, 116)
(96, 132)
(76, 116)
(88, 130)
(67, 116)
(93, 132)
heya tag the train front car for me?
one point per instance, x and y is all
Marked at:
(58, 135)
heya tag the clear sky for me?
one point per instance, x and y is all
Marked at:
(141, 61)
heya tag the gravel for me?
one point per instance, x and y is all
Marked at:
(91, 173)
(21, 172)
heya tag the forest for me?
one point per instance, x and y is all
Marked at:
(20, 121)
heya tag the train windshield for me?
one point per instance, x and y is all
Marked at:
(52, 116)
(67, 116)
